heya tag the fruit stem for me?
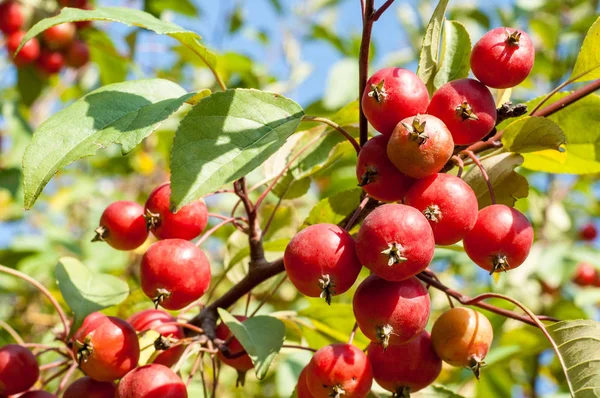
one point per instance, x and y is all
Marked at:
(356, 213)
(298, 347)
(461, 165)
(12, 332)
(267, 298)
(353, 333)
(483, 174)
(335, 126)
(208, 233)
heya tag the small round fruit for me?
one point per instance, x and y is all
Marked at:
(588, 232)
(19, 369)
(321, 261)
(78, 54)
(90, 388)
(50, 62)
(500, 240)
(503, 57)
(462, 337)
(28, 54)
(11, 17)
(242, 363)
(174, 273)
(393, 94)
(420, 146)
(395, 242)
(106, 347)
(339, 370)
(59, 36)
(122, 226)
(585, 275)
(448, 203)
(467, 108)
(377, 175)
(150, 381)
(155, 320)
(391, 313)
(405, 368)
(187, 223)
(302, 386)
(73, 3)
(38, 394)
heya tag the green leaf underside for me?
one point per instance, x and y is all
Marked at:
(428, 58)
(226, 136)
(261, 336)
(85, 291)
(121, 113)
(456, 54)
(532, 134)
(588, 61)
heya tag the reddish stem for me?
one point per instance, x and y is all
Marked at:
(363, 64)
(211, 231)
(483, 173)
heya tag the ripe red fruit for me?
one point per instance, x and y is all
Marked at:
(500, 240)
(90, 388)
(242, 363)
(393, 94)
(155, 320)
(73, 3)
(59, 36)
(187, 223)
(321, 261)
(339, 370)
(78, 54)
(19, 369)
(395, 242)
(391, 313)
(588, 232)
(503, 57)
(37, 394)
(28, 54)
(122, 226)
(467, 108)
(420, 146)
(151, 381)
(462, 337)
(585, 275)
(174, 273)
(405, 368)
(11, 17)
(106, 347)
(448, 203)
(377, 175)
(50, 62)
(302, 386)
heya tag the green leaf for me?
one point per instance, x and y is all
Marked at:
(440, 392)
(456, 54)
(30, 84)
(507, 184)
(288, 187)
(261, 336)
(112, 65)
(184, 7)
(225, 137)
(19, 131)
(428, 58)
(579, 344)
(342, 83)
(588, 61)
(532, 134)
(334, 208)
(85, 291)
(147, 351)
(122, 113)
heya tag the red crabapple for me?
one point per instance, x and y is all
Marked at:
(29, 53)
(59, 36)
(468, 109)
(11, 17)
(122, 226)
(19, 369)
(50, 62)
(585, 275)
(302, 386)
(151, 381)
(241, 363)
(500, 240)
(503, 57)
(391, 313)
(588, 232)
(78, 54)
(395, 242)
(321, 261)
(393, 94)
(38, 394)
(90, 388)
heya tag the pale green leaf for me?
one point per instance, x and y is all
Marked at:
(147, 351)
(532, 134)
(335, 208)
(112, 65)
(428, 58)
(184, 7)
(587, 66)
(456, 54)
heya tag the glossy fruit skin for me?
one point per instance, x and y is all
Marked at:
(500, 240)
(401, 229)
(50, 62)
(187, 223)
(446, 104)
(11, 17)
(78, 54)
(151, 381)
(462, 337)
(503, 57)
(177, 266)
(319, 254)
(59, 36)
(28, 54)
(448, 203)
(37, 394)
(73, 3)
(411, 366)
(588, 232)
(242, 363)
(420, 146)
(123, 226)
(90, 388)
(391, 312)
(112, 347)
(339, 366)
(586, 275)
(377, 175)
(302, 386)
(154, 319)
(19, 369)
(402, 95)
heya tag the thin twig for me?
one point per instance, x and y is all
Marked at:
(195, 368)
(211, 231)
(298, 347)
(357, 212)
(558, 88)
(461, 165)
(335, 126)
(13, 333)
(381, 10)
(184, 326)
(353, 333)
(484, 175)
(65, 380)
(271, 294)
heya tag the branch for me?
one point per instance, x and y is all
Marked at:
(335, 126)
(382, 9)
(363, 65)
(257, 252)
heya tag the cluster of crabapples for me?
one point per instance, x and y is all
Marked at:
(396, 241)
(59, 47)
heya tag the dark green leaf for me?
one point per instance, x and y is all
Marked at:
(30, 84)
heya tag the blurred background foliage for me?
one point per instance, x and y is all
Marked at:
(306, 50)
